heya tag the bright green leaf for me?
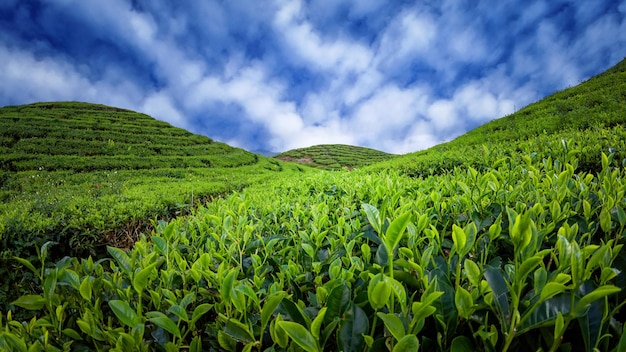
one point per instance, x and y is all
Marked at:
(30, 302)
(300, 335)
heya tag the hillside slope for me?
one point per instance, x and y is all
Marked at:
(584, 120)
(86, 175)
(334, 156)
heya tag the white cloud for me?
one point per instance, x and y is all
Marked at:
(305, 43)
(161, 106)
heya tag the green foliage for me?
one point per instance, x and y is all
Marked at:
(85, 176)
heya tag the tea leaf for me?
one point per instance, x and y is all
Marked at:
(354, 326)
(199, 311)
(124, 312)
(270, 305)
(551, 289)
(300, 335)
(121, 258)
(163, 321)
(395, 231)
(30, 302)
(461, 344)
(317, 323)
(596, 294)
(393, 324)
(408, 343)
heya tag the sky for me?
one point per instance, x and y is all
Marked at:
(273, 75)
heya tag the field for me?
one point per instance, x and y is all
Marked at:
(509, 238)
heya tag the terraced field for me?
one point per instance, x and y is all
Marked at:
(334, 156)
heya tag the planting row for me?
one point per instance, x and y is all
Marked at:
(526, 255)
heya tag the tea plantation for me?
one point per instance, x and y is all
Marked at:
(509, 238)
(335, 156)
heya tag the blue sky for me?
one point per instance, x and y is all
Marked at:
(398, 76)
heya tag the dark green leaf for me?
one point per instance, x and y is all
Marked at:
(353, 327)
(461, 344)
(239, 331)
(121, 258)
(495, 279)
(337, 302)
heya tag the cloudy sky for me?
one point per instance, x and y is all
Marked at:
(268, 75)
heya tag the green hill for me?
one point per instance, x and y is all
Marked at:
(587, 119)
(508, 238)
(334, 156)
(88, 175)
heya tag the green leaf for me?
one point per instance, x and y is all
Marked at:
(30, 302)
(160, 244)
(71, 333)
(464, 302)
(473, 272)
(621, 346)
(269, 307)
(227, 285)
(545, 313)
(199, 311)
(551, 289)
(85, 288)
(461, 344)
(249, 292)
(121, 258)
(238, 331)
(278, 334)
(521, 234)
(378, 291)
(459, 239)
(394, 233)
(226, 342)
(595, 295)
(337, 302)
(605, 220)
(27, 264)
(163, 321)
(408, 343)
(373, 215)
(500, 290)
(317, 323)
(124, 312)
(13, 340)
(393, 324)
(353, 327)
(295, 313)
(195, 345)
(140, 280)
(300, 335)
(527, 266)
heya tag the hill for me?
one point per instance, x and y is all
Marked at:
(585, 120)
(509, 238)
(89, 175)
(334, 156)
